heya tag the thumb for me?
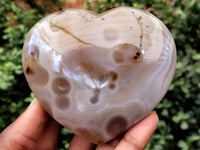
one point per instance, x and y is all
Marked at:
(26, 129)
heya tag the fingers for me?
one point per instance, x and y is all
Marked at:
(49, 136)
(138, 136)
(27, 129)
(80, 143)
(35, 129)
(111, 144)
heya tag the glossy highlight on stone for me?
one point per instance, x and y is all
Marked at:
(98, 75)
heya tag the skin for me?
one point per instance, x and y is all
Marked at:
(34, 129)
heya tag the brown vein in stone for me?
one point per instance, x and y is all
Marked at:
(68, 32)
(139, 21)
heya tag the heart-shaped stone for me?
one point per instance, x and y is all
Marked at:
(98, 75)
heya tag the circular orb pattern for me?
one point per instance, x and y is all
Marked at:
(116, 125)
(60, 86)
(98, 75)
(62, 102)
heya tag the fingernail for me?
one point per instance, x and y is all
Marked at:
(31, 104)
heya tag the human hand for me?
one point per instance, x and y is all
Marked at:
(36, 130)
(136, 138)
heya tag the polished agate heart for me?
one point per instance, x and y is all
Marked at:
(98, 75)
